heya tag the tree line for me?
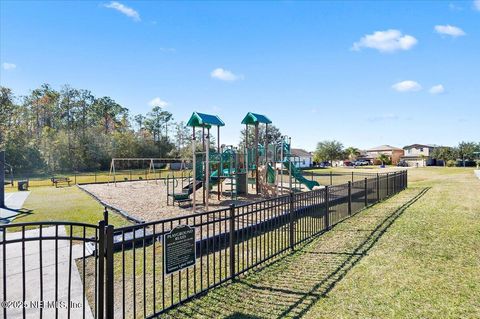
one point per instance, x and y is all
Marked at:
(70, 129)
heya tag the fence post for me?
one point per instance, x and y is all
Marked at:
(406, 179)
(105, 215)
(109, 295)
(388, 182)
(352, 177)
(95, 178)
(100, 255)
(349, 198)
(331, 178)
(394, 182)
(292, 221)
(232, 241)
(378, 188)
(366, 192)
(327, 209)
(75, 178)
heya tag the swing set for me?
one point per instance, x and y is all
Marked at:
(138, 169)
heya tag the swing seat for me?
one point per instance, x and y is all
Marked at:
(181, 198)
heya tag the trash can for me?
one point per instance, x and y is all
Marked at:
(23, 185)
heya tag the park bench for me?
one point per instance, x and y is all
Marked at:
(57, 180)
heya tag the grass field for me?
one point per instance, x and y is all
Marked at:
(416, 255)
(98, 177)
(64, 204)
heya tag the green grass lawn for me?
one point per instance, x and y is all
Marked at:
(65, 204)
(415, 255)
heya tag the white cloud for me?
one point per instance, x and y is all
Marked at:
(407, 86)
(8, 66)
(129, 12)
(449, 30)
(437, 89)
(157, 102)
(386, 41)
(225, 75)
(476, 4)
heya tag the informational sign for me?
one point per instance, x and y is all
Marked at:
(179, 248)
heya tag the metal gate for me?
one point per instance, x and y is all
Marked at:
(55, 270)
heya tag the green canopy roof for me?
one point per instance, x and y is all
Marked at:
(254, 118)
(204, 120)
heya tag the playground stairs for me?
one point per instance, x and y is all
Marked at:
(232, 191)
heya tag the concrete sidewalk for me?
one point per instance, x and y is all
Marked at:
(13, 201)
(31, 263)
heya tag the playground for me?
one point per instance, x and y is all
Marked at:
(214, 178)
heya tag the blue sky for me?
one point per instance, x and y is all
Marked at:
(363, 73)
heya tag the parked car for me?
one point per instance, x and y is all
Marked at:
(347, 163)
(324, 164)
(402, 164)
(361, 163)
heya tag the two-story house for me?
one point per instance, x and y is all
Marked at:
(418, 155)
(394, 153)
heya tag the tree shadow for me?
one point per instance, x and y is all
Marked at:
(291, 286)
(13, 213)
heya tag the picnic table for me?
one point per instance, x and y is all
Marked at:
(57, 180)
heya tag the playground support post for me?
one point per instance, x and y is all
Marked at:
(281, 160)
(257, 185)
(220, 165)
(266, 151)
(2, 178)
(207, 169)
(194, 168)
(246, 158)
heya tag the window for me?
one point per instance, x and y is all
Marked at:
(421, 149)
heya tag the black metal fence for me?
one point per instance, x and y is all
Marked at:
(125, 275)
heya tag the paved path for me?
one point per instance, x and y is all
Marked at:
(14, 201)
(14, 262)
(477, 172)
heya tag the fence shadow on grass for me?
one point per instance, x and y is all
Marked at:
(291, 286)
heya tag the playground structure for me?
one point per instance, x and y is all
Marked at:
(255, 169)
(232, 170)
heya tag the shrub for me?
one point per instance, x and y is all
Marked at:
(450, 163)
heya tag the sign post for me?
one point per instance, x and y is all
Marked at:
(179, 248)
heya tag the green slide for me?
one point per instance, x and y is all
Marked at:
(270, 174)
(299, 176)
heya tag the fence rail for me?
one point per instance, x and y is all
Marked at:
(125, 275)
